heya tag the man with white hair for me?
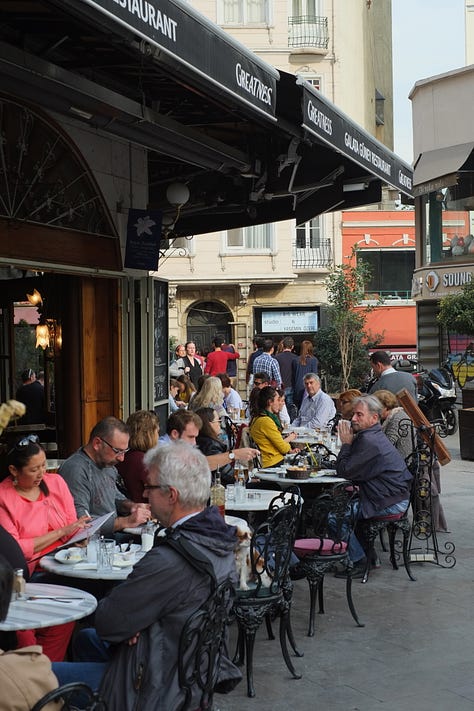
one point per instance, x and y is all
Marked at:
(143, 616)
(317, 408)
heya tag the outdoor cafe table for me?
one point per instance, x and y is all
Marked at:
(277, 474)
(67, 605)
(255, 500)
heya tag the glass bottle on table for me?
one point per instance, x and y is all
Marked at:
(218, 494)
(240, 479)
(18, 589)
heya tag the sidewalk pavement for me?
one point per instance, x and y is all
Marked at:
(416, 651)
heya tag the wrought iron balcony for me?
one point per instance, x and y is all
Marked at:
(313, 257)
(308, 31)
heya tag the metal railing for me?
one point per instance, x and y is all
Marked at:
(313, 257)
(308, 31)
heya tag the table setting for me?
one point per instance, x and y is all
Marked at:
(101, 560)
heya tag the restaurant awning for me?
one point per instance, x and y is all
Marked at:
(439, 168)
(251, 144)
(179, 35)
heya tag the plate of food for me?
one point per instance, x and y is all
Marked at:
(69, 556)
(123, 560)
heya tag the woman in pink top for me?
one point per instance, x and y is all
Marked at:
(37, 509)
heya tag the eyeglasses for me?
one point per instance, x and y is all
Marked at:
(258, 382)
(115, 450)
(25, 442)
(147, 487)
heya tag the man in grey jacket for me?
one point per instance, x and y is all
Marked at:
(389, 378)
(141, 619)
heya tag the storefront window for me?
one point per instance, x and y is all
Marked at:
(449, 228)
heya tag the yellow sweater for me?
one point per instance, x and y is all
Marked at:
(269, 440)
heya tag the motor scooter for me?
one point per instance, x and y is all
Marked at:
(437, 398)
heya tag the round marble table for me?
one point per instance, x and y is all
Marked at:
(45, 605)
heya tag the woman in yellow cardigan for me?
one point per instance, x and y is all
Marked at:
(266, 429)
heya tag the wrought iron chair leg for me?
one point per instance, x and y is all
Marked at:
(249, 646)
(369, 554)
(392, 532)
(321, 596)
(268, 624)
(313, 591)
(284, 631)
(291, 637)
(350, 602)
(382, 540)
(406, 555)
(239, 656)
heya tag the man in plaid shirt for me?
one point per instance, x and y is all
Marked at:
(265, 363)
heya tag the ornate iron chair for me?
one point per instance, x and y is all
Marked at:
(269, 595)
(201, 644)
(70, 695)
(372, 527)
(332, 524)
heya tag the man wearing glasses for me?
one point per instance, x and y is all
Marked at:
(91, 476)
(143, 617)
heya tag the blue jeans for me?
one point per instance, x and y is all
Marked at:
(92, 656)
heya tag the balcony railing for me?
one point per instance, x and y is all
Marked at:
(313, 257)
(308, 31)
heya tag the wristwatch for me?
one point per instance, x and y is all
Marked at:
(231, 456)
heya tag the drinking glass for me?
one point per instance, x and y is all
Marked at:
(105, 554)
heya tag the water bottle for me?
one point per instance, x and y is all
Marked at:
(218, 494)
(92, 545)
(240, 482)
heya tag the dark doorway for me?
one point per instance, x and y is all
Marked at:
(206, 320)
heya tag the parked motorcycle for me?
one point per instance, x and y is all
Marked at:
(436, 395)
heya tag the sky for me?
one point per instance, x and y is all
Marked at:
(428, 39)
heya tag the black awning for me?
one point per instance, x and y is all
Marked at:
(330, 125)
(177, 33)
(439, 168)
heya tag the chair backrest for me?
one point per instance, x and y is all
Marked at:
(73, 697)
(333, 515)
(246, 440)
(272, 543)
(201, 645)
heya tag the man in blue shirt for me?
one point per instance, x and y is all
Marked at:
(317, 408)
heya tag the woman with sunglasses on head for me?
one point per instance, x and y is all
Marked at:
(37, 510)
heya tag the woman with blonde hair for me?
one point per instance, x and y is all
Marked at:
(306, 363)
(210, 395)
(144, 428)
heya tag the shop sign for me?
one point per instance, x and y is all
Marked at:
(440, 283)
(289, 321)
(142, 250)
(325, 121)
(205, 51)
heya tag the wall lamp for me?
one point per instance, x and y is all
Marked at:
(48, 333)
(35, 299)
(177, 195)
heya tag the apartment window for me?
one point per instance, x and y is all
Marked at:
(243, 12)
(312, 249)
(306, 26)
(392, 271)
(255, 238)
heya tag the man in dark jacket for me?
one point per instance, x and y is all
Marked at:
(371, 461)
(143, 617)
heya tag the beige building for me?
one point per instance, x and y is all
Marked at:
(270, 278)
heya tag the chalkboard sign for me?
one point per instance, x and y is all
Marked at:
(160, 340)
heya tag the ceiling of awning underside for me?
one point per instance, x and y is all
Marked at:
(240, 168)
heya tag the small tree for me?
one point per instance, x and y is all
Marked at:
(456, 312)
(343, 345)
